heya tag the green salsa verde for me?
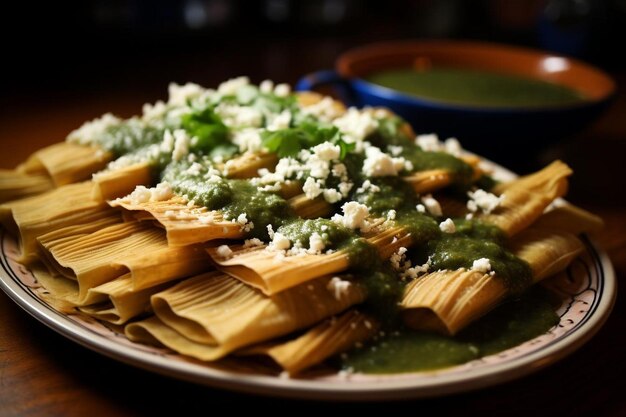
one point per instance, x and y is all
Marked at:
(403, 350)
(198, 179)
(476, 88)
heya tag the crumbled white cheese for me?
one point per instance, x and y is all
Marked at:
(163, 191)
(287, 167)
(391, 214)
(338, 287)
(400, 263)
(447, 226)
(224, 251)
(270, 231)
(453, 147)
(184, 214)
(180, 94)
(312, 188)
(297, 250)
(230, 87)
(415, 271)
(429, 142)
(379, 164)
(316, 243)
(181, 145)
(282, 90)
(266, 86)
(246, 94)
(420, 208)
(324, 110)
(356, 126)
(398, 259)
(481, 265)
(239, 117)
(483, 200)
(317, 167)
(89, 131)
(279, 242)
(154, 111)
(431, 205)
(327, 151)
(206, 219)
(213, 178)
(280, 121)
(332, 196)
(344, 188)
(395, 150)
(271, 188)
(242, 219)
(141, 194)
(167, 145)
(367, 185)
(194, 169)
(248, 140)
(250, 243)
(354, 216)
(340, 171)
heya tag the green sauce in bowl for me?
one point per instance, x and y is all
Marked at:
(476, 88)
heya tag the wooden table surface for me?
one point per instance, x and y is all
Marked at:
(45, 374)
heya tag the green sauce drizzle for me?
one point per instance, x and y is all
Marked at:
(198, 180)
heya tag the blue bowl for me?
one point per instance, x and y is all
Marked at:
(492, 131)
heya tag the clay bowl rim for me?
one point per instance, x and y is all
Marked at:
(595, 84)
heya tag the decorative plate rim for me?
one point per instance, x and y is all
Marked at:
(412, 385)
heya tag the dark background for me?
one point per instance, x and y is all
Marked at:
(62, 48)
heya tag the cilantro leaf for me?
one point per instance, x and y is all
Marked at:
(209, 130)
(288, 142)
(344, 147)
(285, 142)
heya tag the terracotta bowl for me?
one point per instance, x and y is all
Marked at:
(489, 130)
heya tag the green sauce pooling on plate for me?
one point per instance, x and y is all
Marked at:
(476, 88)
(403, 350)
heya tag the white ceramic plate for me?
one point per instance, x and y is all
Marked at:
(587, 289)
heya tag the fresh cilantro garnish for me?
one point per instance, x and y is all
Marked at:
(290, 141)
(210, 133)
(344, 147)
